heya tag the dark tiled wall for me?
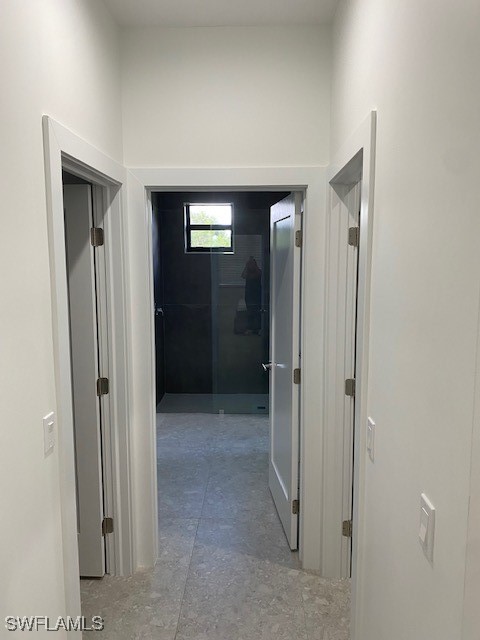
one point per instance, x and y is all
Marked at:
(203, 351)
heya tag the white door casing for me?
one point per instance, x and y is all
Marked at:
(285, 260)
(85, 371)
(66, 150)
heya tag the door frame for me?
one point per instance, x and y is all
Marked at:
(312, 182)
(356, 161)
(65, 150)
(340, 340)
(92, 422)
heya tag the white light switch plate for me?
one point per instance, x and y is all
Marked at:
(49, 433)
(426, 535)
(371, 439)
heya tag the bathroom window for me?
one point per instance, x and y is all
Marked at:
(208, 228)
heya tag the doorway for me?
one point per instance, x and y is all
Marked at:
(212, 324)
(213, 278)
(89, 365)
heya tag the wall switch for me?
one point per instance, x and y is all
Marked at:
(427, 527)
(49, 433)
(371, 439)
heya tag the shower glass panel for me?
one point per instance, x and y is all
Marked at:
(212, 306)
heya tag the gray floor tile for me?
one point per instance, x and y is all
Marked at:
(146, 605)
(233, 591)
(225, 571)
(227, 463)
(327, 608)
(242, 495)
(135, 607)
(185, 500)
(256, 539)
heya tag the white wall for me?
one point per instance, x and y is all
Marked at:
(238, 96)
(416, 62)
(58, 57)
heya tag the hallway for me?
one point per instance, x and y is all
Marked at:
(225, 571)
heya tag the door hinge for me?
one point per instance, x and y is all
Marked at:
(296, 376)
(353, 236)
(347, 527)
(107, 526)
(350, 387)
(298, 238)
(96, 237)
(102, 386)
(295, 507)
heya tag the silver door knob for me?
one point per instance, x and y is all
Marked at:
(267, 367)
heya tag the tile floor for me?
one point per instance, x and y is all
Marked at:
(225, 571)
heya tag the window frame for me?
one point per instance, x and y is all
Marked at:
(189, 227)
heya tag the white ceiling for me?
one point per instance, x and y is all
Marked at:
(210, 13)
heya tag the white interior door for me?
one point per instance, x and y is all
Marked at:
(349, 220)
(285, 220)
(342, 266)
(85, 371)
